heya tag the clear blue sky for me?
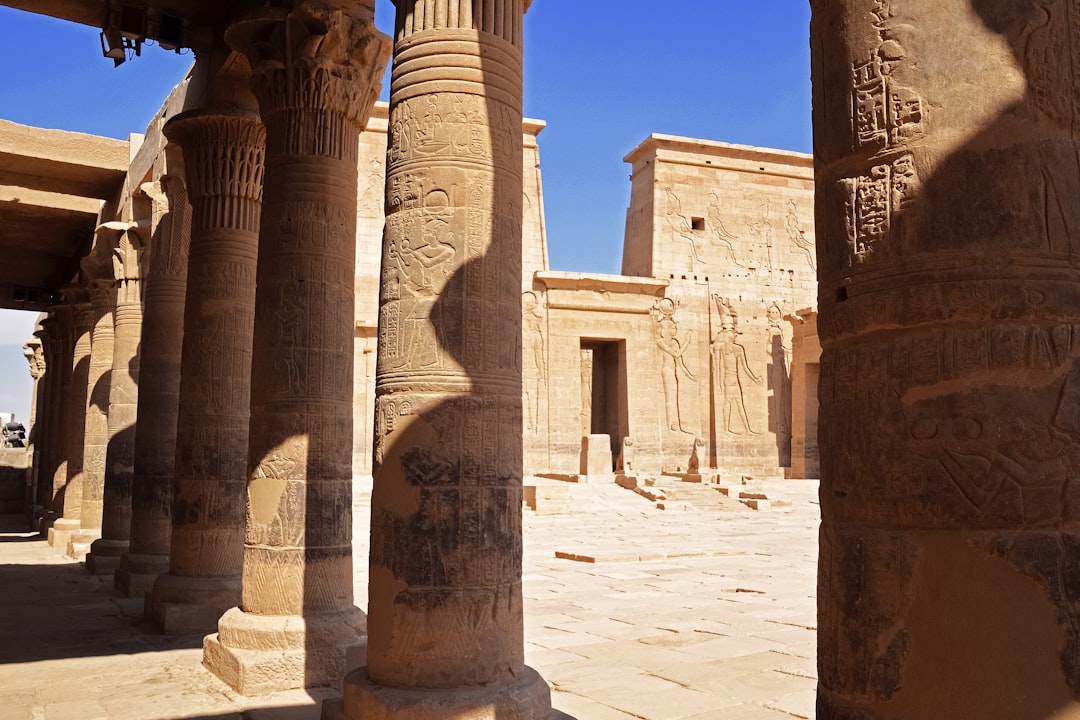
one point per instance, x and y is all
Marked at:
(603, 74)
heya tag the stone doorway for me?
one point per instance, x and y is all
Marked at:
(604, 398)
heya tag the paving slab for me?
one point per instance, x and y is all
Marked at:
(686, 615)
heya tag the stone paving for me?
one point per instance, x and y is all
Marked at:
(677, 614)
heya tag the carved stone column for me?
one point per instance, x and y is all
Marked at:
(315, 72)
(949, 256)
(105, 552)
(68, 476)
(223, 167)
(159, 387)
(96, 442)
(34, 353)
(55, 335)
(445, 637)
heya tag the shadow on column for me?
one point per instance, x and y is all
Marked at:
(951, 489)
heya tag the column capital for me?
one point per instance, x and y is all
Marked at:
(312, 58)
(223, 152)
(35, 356)
(170, 246)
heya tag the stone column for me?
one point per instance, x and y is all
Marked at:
(55, 335)
(34, 353)
(68, 476)
(949, 248)
(159, 387)
(96, 438)
(445, 637)
(105, 552)
(223, 167)
(315, 72)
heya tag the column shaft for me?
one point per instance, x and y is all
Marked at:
(445, 609)
(105, 552)
(223, 165)
(298, 551)
(56, 333)
(159, 388)
(949, 248)
(68, 477)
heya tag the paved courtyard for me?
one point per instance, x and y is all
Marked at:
(685, 613)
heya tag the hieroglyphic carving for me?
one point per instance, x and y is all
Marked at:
(729, 365)
(534, 352)
(872, 201)
(586, 390)
(674, 372)
(884, 113)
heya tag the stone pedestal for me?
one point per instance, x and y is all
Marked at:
(159, 388)
(445, 637)
(948, 245)
(297, 625)
(223, 159)
(105, 552)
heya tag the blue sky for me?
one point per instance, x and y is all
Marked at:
(602, 74)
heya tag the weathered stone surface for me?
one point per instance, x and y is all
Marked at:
(223, 166)
(298, 547)
(159, 362)
(127, 250)
(950, 444)
(96, 436)
(445, 595)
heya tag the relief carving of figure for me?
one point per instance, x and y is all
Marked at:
(762, 229)
(797, 235)
(424, 267)
(778, 350)
(729, 361)
(716, 222)
(680, 225)
(532, 337)
(673, 369)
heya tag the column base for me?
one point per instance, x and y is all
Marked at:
(262, 654)
(61, 531)
(44, 520)
(137, 573)
(527, 698)
(188, 605)
(78, 546)
(104, 556)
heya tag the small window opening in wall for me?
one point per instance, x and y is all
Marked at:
(841, 294)
(697, 223)
(760, 167)
(708, 162)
